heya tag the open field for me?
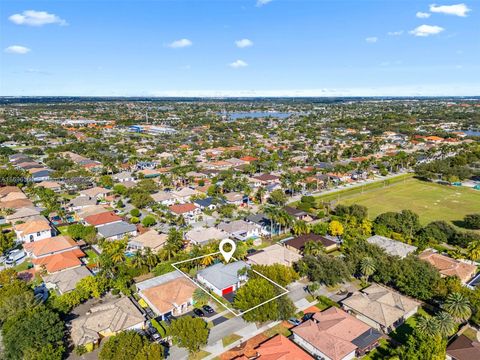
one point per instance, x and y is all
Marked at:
(430, 201)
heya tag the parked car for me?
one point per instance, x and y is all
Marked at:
(198, 312)
(294, 321)
(208, 309)
(169, 318)
(14, 256)
(307, 316)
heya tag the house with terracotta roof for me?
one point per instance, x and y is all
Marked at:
(50, 246)
(264, 180)
(168, 294)
(33, 230)
(463, 348)
(278, 348)
(448, 266)
(335, 335)
(108, 318)
(188, 211)
(60, 261)
(380, 307)
(102, 219)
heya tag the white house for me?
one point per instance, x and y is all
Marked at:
(223, 279)
(33, 230)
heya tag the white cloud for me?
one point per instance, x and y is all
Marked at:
(371, 39)
(244, 43)
(395, 33)
(36, 18)
(180, 43)
(17, 49)
(238, 64)
(426, 30)
(263, 2)
(422, 15)
(457, 9)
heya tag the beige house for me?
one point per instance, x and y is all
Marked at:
(151, 239)
(168, 294)
(380, 307)
(274, 254)
(106, 319)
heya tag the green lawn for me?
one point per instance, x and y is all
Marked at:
(230, 339)
(403, 331)
(198, 355)
(430, 201)
(381, 352)
(277, 329)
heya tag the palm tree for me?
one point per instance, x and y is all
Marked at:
(117, 252)
(446, 324)
(170, 250)
(313, 248)
(271, 212)
(474, 250)
(260, 194)
(207, 260)
(200, 297)
(151, 259)
(428, 326)
(138, 260)
(367, 267)
(283, 219)
(300, 227)
(457, 306)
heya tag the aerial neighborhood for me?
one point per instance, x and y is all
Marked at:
(356, 226)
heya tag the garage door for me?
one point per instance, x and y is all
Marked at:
(227, 290)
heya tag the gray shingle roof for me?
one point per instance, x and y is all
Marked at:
(115, 229)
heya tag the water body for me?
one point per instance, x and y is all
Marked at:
(472, 132)
(256, 114)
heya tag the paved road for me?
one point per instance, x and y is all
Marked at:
(226, 328)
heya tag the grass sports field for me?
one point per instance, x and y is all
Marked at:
(430, 201)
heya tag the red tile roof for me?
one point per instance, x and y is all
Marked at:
(102, 218)
(61, 261)
(182, 208)
(280, 348)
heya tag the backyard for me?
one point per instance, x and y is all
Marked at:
(430, 201)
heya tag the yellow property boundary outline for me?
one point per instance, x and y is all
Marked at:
(285, 291)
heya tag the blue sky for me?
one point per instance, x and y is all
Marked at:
(289, 47)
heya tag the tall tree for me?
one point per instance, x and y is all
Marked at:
(190, 333)
(458, 306)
